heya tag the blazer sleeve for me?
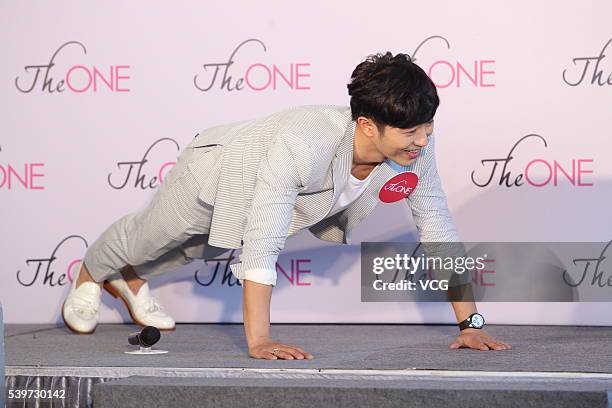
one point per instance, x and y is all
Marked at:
(281, 175)
(433, 220)
(428, 204)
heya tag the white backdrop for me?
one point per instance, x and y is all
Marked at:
(87, 86)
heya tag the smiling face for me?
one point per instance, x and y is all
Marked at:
(403, 146)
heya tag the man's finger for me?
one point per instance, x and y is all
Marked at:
(297, 354)
(298, 350)
(284, 354)
(291, 350)
(301, 351)
(457, 343)
(264, 355)
(270, 356)
(501, 344)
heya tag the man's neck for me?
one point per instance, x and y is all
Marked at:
(364, 152)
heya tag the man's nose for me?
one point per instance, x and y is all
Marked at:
(421, 138)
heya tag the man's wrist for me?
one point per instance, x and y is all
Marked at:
(474, 321)
(470, 330)
(257, 340)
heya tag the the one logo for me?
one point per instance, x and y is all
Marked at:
(76, 78)
(590, 65)
(58, 269)
(398, 187)
(537, 172)
(444, 73)
(21, 176)
(139, 179)
(253, 75)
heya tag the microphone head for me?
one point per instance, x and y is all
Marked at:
(149, 336)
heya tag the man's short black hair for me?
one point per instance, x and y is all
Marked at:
(392, 90)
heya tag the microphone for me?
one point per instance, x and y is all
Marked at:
(145, 338)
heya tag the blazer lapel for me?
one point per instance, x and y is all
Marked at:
(341, 166)
(312, 207)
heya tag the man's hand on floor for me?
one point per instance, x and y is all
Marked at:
(478, 339)
(271, 350)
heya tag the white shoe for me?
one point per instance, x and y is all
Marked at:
(81, 309)
(143, 308)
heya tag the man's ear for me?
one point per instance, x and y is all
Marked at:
(368, 127)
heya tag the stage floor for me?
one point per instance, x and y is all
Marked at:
(535, 348)
(547, 359)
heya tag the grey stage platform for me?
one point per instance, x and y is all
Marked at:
(354, 365)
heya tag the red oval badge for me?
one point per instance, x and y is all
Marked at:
(398, 187)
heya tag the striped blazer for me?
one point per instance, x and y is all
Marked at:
(268, 178)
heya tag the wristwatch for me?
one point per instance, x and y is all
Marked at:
(474, 321)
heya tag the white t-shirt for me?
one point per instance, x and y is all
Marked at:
(352, 191)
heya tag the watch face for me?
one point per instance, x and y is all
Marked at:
(477, 321)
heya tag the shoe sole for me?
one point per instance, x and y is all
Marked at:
(72, 329)
(114, 293)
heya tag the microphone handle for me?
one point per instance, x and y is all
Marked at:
(134, 339)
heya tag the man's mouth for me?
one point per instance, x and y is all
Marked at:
(412, 153)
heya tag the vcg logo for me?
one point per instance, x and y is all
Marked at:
(134, 173)
(77, 78)
(242, 72)
(532, 169)
(56, 269)
(592, 66)
(475, 73)
(22, 176)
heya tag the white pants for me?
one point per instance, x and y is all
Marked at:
(171, 231)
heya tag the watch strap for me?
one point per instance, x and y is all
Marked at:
(464, 324)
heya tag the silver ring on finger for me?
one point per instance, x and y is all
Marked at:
(275, 350)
